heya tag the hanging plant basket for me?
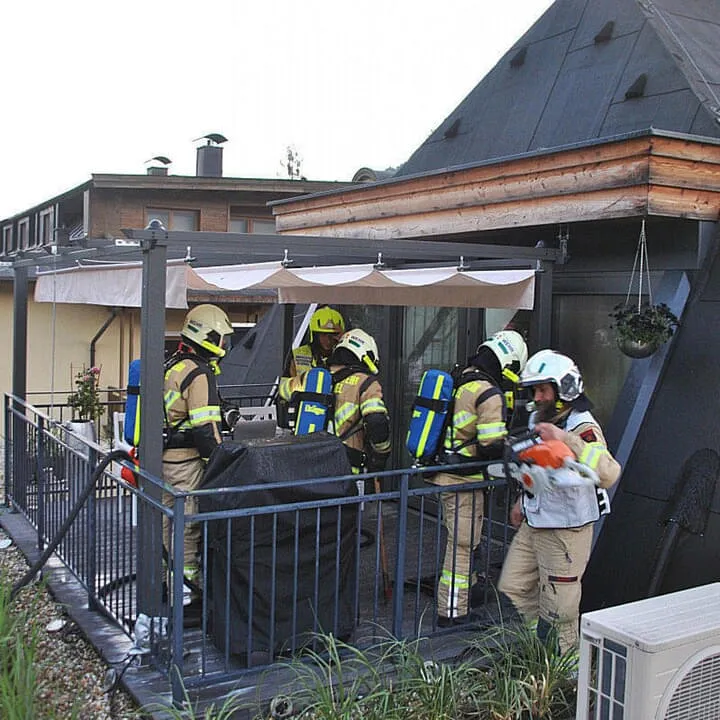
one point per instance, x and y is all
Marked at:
(641, 331)
(642, 327)
(636, 349)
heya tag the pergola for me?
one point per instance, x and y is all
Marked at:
(471, 266)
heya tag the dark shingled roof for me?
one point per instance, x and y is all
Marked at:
(589, 69)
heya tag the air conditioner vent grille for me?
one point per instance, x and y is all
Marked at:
(697, 696)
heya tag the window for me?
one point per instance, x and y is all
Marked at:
(7, 239)
(263, 227)
(23, 234)
(241, 222)
(238, 224)
(45, 227)
(188, 220)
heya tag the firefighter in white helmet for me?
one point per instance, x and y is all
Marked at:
(543, 570)
(325, 329)
(360, 417)
(476, 432)
(192, 423)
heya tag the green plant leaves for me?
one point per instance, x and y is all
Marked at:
(650, 324)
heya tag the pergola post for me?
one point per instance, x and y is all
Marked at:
(152, 353)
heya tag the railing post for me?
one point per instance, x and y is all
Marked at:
(178, 566)
(40, 474)
(399, 588)
(8, 436)
(92, 542)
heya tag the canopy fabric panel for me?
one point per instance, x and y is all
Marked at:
(368, 285)
(113, 285)
(121, 285)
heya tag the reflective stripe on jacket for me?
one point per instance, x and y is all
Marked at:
(302, 360)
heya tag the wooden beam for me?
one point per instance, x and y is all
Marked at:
(595, 182)
(685, 203)
(502, 170)
(685, 173)
(608, 204)
(628, 173)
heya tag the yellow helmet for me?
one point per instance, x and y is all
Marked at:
(206, 326)
(326, 320)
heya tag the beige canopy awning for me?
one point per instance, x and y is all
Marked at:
(120, 285)
(367, 285)
(115, 285)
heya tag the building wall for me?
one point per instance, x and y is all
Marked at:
(111, 210)
(59, 337)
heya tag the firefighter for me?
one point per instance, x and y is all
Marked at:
(475, 432)
(192, 422)
(325, 328)
(360, 418)
(543, 570)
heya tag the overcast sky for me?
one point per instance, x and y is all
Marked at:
(99, 87)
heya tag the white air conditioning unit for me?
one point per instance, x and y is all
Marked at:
(654, 659)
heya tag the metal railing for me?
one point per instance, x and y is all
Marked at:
(281, 560)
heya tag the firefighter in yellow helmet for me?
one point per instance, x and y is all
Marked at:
(475, 432)
(325, 328)
(360, 418)
(192, 422)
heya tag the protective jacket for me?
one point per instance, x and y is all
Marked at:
(360, 418)
(192, 409)
(478, 422)
(573, 507)
(303, 358)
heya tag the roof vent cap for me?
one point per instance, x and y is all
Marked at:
(605, 34)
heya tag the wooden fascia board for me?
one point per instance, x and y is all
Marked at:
(684, 179)
(600, 205)
(688, 203)
(476, 196)
(486, 173)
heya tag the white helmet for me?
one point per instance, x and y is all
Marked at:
(509, 348)
(362, 346)
(548, 366)
(206, 326)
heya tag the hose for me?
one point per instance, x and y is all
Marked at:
(114, 456)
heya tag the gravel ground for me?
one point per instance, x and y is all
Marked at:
(70, 672)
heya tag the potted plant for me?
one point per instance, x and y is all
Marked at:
(642, 329)
(85, 402)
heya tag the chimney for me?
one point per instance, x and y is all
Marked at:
(209, 156)
(158, 169)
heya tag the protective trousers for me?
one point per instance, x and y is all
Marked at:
(542, 575)
(462, 517)
(185, 476)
